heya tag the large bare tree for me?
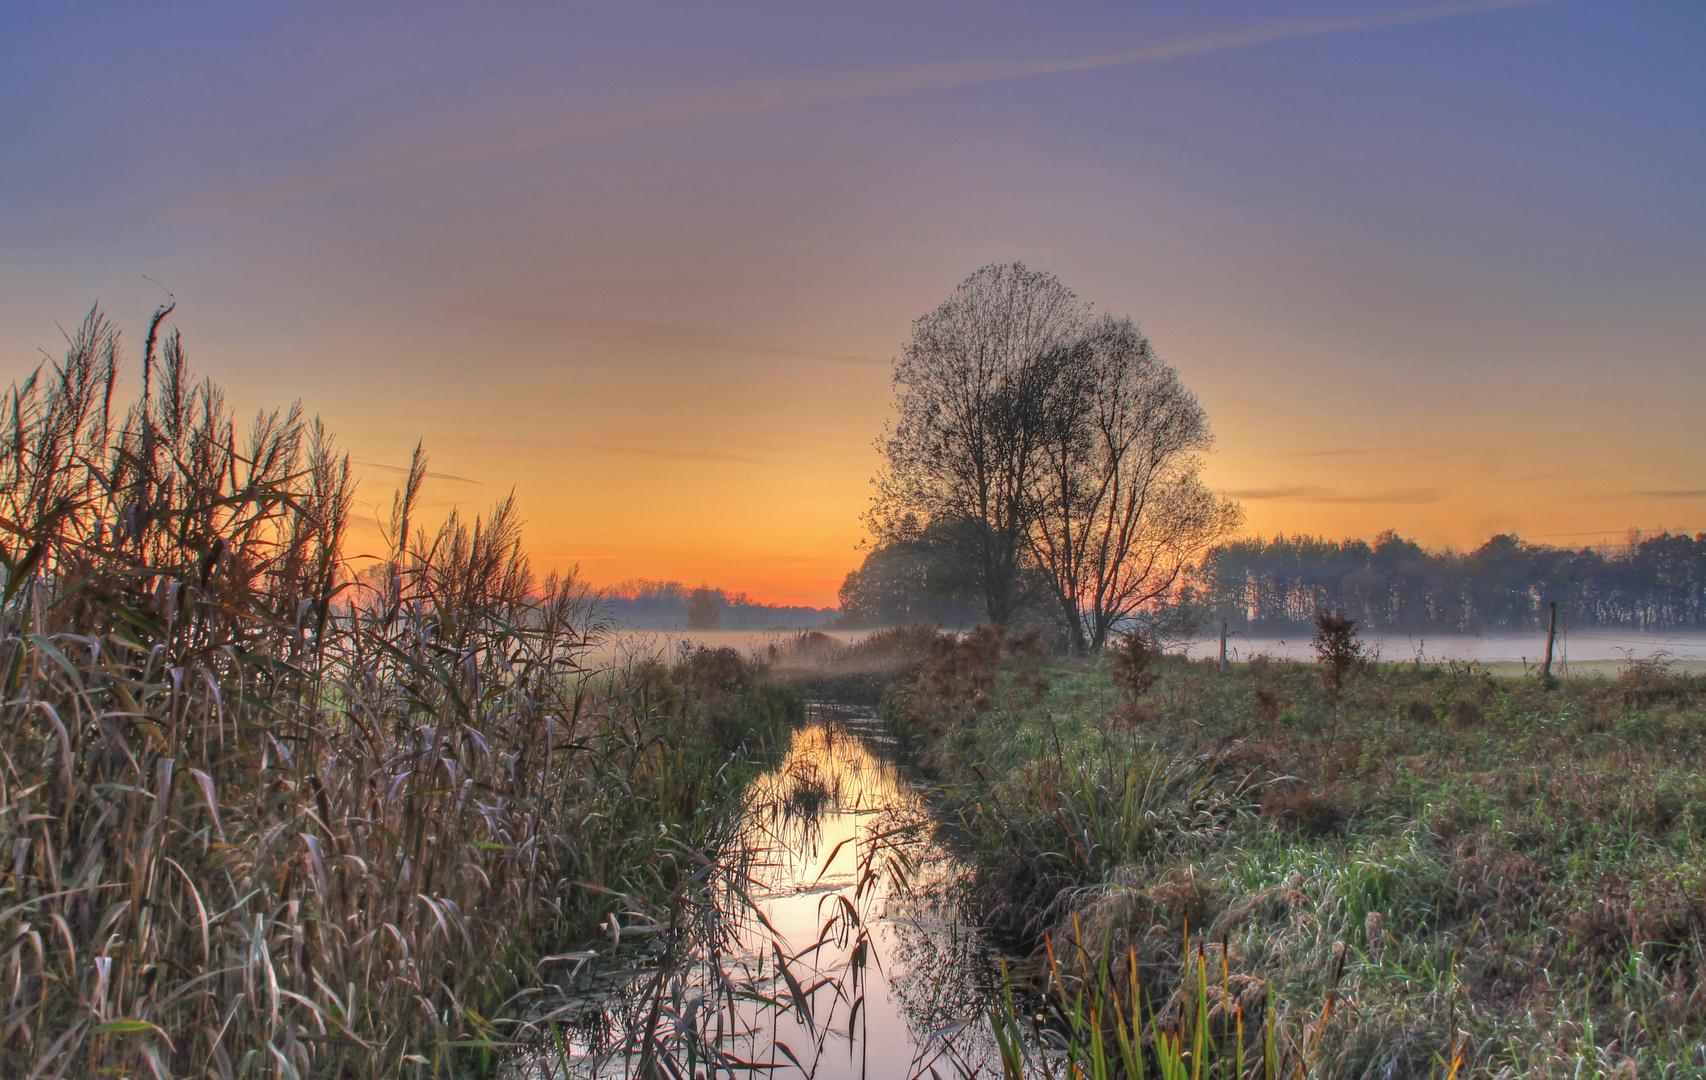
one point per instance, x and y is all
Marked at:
(1035, 440)
(1116, 509)
(969, 390)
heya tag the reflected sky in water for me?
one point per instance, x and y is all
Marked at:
(837, 948)
(856, 883)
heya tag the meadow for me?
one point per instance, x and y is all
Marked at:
(1433, 872)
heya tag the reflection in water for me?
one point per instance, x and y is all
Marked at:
(836, 950)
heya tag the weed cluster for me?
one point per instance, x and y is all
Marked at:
(827, 668)
(1135, 668)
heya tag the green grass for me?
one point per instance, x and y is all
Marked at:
(1483, 863)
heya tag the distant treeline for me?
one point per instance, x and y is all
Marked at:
(668, 605)
(1651, 582)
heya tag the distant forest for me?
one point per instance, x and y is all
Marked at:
(642, 604)
(1649, 582)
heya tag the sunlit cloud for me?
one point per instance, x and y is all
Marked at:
(664, 454)
(766, 95)
(660, 453)
(1311, 493)
(1674, 493)
(1283, 491)
(399, 469)
(1620, 532)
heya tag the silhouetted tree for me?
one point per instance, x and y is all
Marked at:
(703, 610)
(969, 393)
(1037, 445)
(1117, 509)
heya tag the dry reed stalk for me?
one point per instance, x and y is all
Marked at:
(262, 815)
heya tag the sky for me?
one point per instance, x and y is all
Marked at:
(1432, 267)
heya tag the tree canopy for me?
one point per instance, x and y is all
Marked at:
(1046, 455)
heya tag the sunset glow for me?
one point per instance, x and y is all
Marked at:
(1436, 268)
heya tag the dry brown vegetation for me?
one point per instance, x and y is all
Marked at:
(263, 816)
(824, 666)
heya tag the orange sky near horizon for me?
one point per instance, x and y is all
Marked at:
(647, 265)
(752, 461)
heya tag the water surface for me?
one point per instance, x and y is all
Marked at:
(840, 949)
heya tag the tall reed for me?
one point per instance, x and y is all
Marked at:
(262, 814)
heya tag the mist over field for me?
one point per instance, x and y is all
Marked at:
(669, 605)
(1589, 651)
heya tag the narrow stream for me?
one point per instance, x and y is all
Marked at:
(840, 949)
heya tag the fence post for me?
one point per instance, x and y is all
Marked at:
(1551, 632)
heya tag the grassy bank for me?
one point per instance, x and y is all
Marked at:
(1438, 863)
(270, 812)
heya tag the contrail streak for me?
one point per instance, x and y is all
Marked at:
(770, 94)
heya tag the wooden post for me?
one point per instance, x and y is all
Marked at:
(1551, 632)
(1223, 644)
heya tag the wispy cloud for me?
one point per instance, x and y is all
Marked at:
(765, 95)
(559, 447)
(660, 453)
(1674, 493)
(1342, 452)
(1282, 491)
(664, 336)
(1314, 494)
(1618, 533)
(399, 469)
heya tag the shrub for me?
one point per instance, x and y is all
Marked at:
(898, 645)
(949, 685)
(1136, 661)
(716, 670)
